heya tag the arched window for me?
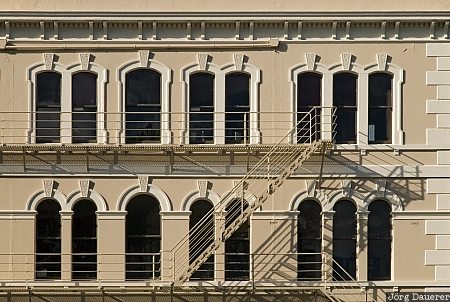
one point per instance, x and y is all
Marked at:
(344, 240)
(380, 238)
(143, 238)
(48, 107)
(84, 107)
(201, 108)
(48, 240)
(345, 101)
(84, 240)
(309, 95)
(237, 108)
(237, 247)
(143, 106)
(380, 108)
(201, 236)
(309, 241)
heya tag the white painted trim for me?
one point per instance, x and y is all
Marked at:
(301, 196)
(39, 196)
(389, 197)
(166, 79)
(337, 196)
(102, 80)
(131, 192)
(193, 196)
(93, 195)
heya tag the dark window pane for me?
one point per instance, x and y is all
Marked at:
(48, 240)
(84, 240)
(309, 240)
(379, 241)
(309, 95)
(237, 247)
(344, 99)
(48, 107)
(201, 236)
(344, 240)
(84, 107)
(143, 238)
(201, 108)
(237, 100)
(380, 108)
(143, 106)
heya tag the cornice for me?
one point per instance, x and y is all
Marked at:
(267, 16)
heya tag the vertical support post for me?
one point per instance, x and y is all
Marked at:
(66, 245)
(361, 245)
(252, 260)
(327, 245)
(245, 128)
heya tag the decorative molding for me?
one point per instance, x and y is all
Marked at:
(311, 187)
(202, 186)
(381, 188)
(382, 61)
(202, 59)
(48, 185)
(240, 188)
(238, 61)
(346, 186)
(346, 59)
(383, 30)
(143, 183)
(48, 60)
(85, 59)
(84, 187)
(310, 60)
(143, 57)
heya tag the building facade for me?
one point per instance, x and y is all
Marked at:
(297, 150)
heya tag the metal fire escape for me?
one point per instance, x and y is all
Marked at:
(261, 181)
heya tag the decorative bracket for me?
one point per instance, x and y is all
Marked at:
(48, 185)
(202, 186)
(238, 61)
(85, 59)
(382, 61)
(84, 187)
(240, 188)
(143, 183)
(381, 188)
(310, 60)
(48, 60)
(202, 60)
(346, 60)
(143, 57)
(311, 187)
(346, 186)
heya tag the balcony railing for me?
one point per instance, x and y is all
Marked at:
(177, 128)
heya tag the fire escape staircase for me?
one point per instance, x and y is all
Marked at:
(261, 181)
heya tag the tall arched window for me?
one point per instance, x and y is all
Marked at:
(143, 106)
(380, 238)
(309, 241)
(84, 107)
(345, 101)
(344, 240)
(309, 95)
(48, 240)
(237, 247)
(237, 108)
(201, 108)
(84, 240)
(48, 107)
(201, 236)
(380, 108)
(143, 238)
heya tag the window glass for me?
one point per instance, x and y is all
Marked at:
(143, 238)
(380, 108)
(84, 107)
(379, 241)
(309, 95)
(309, 241)
(48, 107)
(201, 236)
(48, 240)
(201, 108)
(84, 240)
(344, 240)
(143, 106)
(344, 99)
(237, 107)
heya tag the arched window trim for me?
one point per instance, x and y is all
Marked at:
(160, 195)
(166, 79)
(32, 73)
(193, 196)
(397, 107)
(102, 80)
(92, 195)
